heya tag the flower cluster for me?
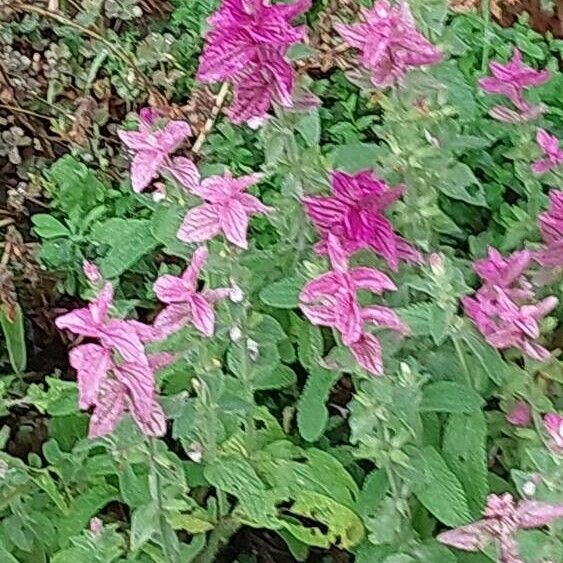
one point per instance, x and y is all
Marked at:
(114, 375)
(331, 300)
(510, 80)
(503, 518)
(355, 214)
(553, 154)
(551, 227)
(504, 308)
(152, 146)
(389, 42)
(247, 45)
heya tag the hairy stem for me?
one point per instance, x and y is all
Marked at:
(217, 539)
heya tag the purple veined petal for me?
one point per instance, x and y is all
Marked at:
(534, 514)
(79, 322)
(160, 360)
(99, 308)
(383, 240)
(91, 272)
(348, 318)
(148, 116)
(109, 409)
(135, 140)
(192, 272)
(253, 97)
(138, 380)
(407, 252)
(185, 172)
(151, 423)
(386, 318)
(551, 256)
(542, 166)
(216, 189)
(203, 316)
(200, 224)
(172, 289)
(281, 75)
(520, 414)
(233, 220)
(172, 135)
(146, 333)
(326, 285)
(336, 254)
(372, 280)
(502, 338)
(215, 295)
(320, 315)
(473, 537)
(144, 169)
(367, 351)
(253, 205)
(535, 351)
(548, 143)
(553, 423)
(92, 363)
(173, 318)
(355, 35)
(123, 337)
(324, 211)
(224, 60)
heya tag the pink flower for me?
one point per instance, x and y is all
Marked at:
(553, 154)
(520, 415)
(389, 42)
(247, 44)
(506, 273)
(96, 526)
(553, 423)
(355, 214)
(92, 321)
(111, 389)
(511, 80)
(331, 300)
(505, 324)
(91, 272)
(503, 518)
(185, 304)
(227, 210)
(152, 147)
(551, 226)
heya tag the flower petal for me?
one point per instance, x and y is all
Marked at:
(172, 318)
(92, 362)
(234, 223)
(203, 316)
(367, 351)
(200, 224)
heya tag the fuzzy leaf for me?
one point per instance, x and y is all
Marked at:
(447, 396)
(46, 226)
(310, 345)
(464, 450)
(283, 294)
(312, 413)
(438, 489)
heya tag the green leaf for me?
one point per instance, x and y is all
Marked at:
(129, 240)
(283, 294)
(374, 489)
(419, 317)
(309, 127)
(310, 345)
(489, 358)
(165, 222)
(447, 396)
(235, 476)
(339, 525)
(279, 378)
(312, 414)
(464, 450)
(13, 329)
(455, 181)
(144, 525)
(46, 226)
(60, 399)
(438, 489)
(356, 157)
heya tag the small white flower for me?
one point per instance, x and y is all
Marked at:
(252, 347)
(237, 295)
(235, 333)
(529, 488)
(195, 453)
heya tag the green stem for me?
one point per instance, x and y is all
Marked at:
(217, 539)
(157, 491)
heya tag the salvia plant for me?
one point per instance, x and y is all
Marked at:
(353, 346)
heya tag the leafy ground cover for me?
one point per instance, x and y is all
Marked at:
(280, 282)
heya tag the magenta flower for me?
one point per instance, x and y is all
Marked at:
(112, 389)
(389, 42)
(331, 300)
(553, 153)
(152, 147)
(504, 324)
(247, 45)
(511, 80)
(551, 227)
(506, 273)
(355, 214)
(520, 415)
(185, 304)
(91, 272)
(553, 423)
(92, 321)
(503, 519)
(227, 210)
